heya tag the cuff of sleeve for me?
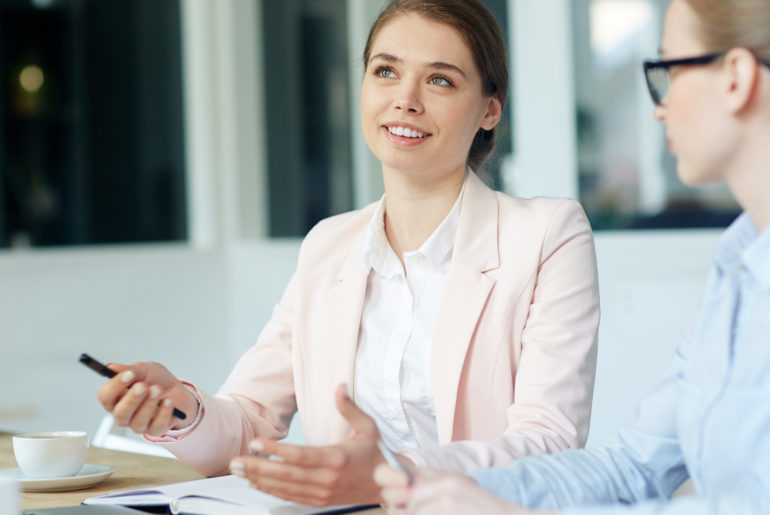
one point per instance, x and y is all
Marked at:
(174, 435)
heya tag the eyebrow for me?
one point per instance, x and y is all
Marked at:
(438, 65)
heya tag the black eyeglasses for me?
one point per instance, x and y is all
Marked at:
(656, 73)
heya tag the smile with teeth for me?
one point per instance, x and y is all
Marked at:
(405, 132)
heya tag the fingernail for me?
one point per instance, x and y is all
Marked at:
(256, 446)
(345, 391)
(238, 468)
(167, 403)
(127, 377)
(154, 392)
(139, 390)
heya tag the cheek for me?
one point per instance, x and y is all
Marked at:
(369, 112)
(698, 136)
(684, 116)
(461, 121)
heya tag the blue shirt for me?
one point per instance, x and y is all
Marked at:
(709, 419)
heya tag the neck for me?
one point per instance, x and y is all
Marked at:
(749, 180)
(416, 206)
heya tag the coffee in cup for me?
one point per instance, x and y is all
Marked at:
(48, 455)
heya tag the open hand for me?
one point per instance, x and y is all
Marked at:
(142, 396)
(319, 476)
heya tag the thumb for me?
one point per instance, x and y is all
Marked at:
(359, 421)
(425, 474)
(118, 367)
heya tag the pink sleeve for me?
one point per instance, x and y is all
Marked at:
(256, 400)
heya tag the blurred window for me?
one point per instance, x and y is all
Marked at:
(308, 132)
(627, 178)
(91, 139)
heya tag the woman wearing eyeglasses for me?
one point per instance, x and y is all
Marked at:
(709, 419)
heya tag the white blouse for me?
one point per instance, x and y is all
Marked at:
(392, 372)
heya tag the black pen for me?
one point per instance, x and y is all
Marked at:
(102, 370)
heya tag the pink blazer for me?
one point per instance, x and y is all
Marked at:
(513, 357)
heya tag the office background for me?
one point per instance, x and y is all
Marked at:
(160, 161)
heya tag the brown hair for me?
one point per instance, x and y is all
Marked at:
(484, 39)
(725, 24)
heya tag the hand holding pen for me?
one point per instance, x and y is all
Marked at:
(145, 397)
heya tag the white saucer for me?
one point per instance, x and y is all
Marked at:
(89, 475)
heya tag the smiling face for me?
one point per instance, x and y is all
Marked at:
(697, 125)
(421, 98)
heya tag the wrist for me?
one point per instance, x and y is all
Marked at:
(190, 405)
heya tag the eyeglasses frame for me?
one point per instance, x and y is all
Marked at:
(666, 64)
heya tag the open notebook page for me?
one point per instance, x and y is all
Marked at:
(225, 495)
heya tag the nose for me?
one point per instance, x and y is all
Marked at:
(659, 113)
(408, 99)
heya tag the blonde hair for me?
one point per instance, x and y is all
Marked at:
(725, 24)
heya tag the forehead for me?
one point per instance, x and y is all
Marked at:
(680, 31)
(415, 37)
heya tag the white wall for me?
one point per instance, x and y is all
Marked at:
(651, 283)
(194, 311)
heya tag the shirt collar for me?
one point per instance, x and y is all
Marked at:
(741, 245)
(379, 255)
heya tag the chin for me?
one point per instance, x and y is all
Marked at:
(693, 175)
(409, 164)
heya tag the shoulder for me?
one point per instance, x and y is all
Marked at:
(337, 234)
(548, 216)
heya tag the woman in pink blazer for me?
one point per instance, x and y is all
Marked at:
(462, 320)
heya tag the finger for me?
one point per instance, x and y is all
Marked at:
(395, 497)
(146, 411)
(128, 404)
(258, 468)
(118, 367)
(440, 491)
(427, 473)
(281, 480)
(153, 373)
(358, 420)
(111, 392)
(163, 419)
(308, 456)
(386, 476)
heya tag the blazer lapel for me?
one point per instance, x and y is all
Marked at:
(465, 294)
(346, 301)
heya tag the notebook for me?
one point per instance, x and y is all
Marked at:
(225, 495)
(83, 510)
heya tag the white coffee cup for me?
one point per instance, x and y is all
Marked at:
(47, 455)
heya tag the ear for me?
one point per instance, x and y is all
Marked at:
(741, 74)
(492, 114)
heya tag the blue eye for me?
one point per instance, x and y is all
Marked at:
(385, 72)
(440, 80)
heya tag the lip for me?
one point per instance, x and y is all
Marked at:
(403, 140)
